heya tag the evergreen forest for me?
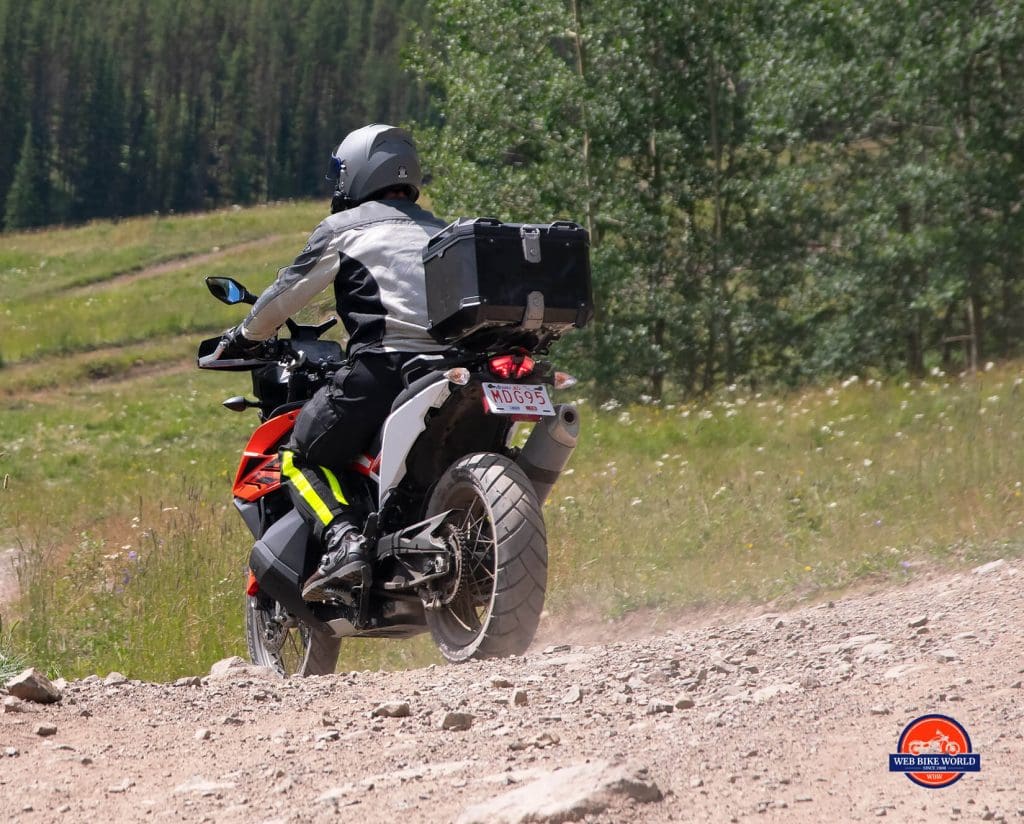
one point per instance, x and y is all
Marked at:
(777, 191)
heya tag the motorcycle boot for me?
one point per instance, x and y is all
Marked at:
(345, 565)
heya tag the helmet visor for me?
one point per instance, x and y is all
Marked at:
(334, 169)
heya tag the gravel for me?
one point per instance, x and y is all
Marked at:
(733, 716)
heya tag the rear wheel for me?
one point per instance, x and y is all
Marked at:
(492, 606)
(278, 640)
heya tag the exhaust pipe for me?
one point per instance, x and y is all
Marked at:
(547, 450)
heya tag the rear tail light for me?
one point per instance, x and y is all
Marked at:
(252, 587)
(511, 366)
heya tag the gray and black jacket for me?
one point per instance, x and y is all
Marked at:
(373, 254)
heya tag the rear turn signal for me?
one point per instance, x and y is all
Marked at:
(563, 380)
(459, 375)
(511, 366)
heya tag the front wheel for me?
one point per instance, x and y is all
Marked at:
(492, 607)
(278, 640)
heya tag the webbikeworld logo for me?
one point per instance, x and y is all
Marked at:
(934, 751)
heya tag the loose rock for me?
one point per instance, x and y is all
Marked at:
(30, 685)
(573, 696)
(567, 794)
(457, 721)
(393, 709)
(115, 679)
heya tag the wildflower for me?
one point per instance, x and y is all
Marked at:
(832, 504)
(989, 366)
(807, 569)
(731, 413)
(706, 414)
(868, 462)
(993, 399)
(609, 406)
(636, 502)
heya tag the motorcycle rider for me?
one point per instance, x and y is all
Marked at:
(370, 250)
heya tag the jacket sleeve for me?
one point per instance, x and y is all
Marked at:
(296, 285)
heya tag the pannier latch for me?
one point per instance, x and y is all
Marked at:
(531, 243)
(533, 317)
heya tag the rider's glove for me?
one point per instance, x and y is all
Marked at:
(236, 346)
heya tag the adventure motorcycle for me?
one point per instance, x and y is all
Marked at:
(452, 507)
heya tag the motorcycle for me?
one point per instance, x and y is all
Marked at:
(451, 506)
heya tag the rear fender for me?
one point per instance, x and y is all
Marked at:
(401, 430)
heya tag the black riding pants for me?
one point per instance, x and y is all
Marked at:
(337, 424)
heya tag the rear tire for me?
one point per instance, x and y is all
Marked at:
(279, 641)
(496, 607)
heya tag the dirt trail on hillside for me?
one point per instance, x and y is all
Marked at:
(763, 717)
(174, 265)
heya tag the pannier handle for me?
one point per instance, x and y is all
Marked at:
(565, 224)
(444, 234)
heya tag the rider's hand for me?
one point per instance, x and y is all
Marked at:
(236, 346)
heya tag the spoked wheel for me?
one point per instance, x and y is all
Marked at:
(277, 640)
(492, 604)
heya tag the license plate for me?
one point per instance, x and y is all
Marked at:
(518, 399)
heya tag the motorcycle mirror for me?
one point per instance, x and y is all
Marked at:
(239, 404)
(229, 291)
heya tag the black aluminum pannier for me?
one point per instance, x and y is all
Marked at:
(490, 281)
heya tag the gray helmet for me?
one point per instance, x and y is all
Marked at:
(372, 159)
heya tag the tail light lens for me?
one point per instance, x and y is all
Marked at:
(511, 366)
(459, 375)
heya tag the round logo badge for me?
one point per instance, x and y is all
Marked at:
(934, 751)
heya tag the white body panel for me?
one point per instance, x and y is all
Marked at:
(401, 430)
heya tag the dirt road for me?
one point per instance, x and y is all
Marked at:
(769, 717)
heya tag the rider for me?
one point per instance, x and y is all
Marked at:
(370, 250)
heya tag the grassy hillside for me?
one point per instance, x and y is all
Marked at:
(116, 460)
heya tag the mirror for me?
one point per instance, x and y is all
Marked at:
(229, 291)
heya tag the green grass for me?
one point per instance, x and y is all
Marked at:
(117, 461)
(48, 262)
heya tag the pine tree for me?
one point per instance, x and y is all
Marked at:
(28, 197)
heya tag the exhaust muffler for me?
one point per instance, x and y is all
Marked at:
(549, 447)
